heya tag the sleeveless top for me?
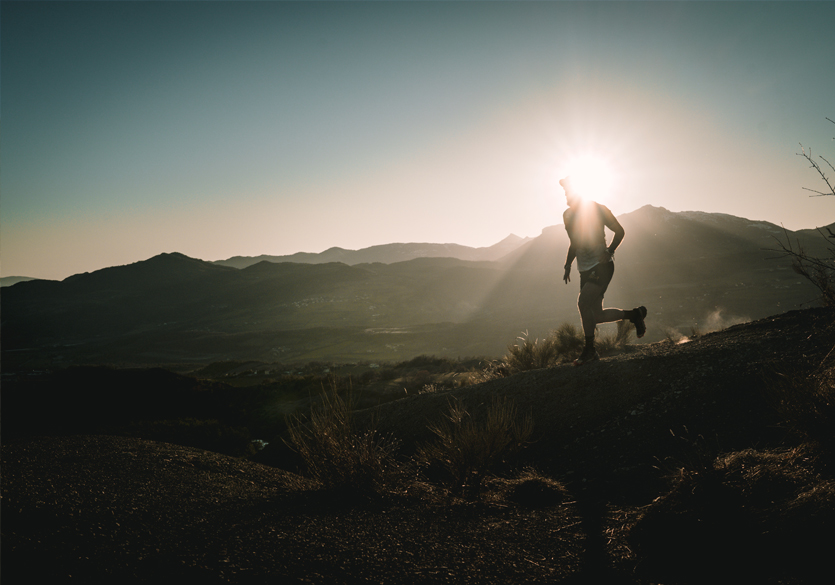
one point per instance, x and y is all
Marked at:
(584, 225)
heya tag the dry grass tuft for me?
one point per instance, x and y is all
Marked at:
(467, 449)
(753, 516)
(339, 456)
(533, 490)
(562, 345)
(531, 354)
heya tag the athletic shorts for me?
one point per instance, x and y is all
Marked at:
(600, 275)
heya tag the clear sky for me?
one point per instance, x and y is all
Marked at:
(221, 128)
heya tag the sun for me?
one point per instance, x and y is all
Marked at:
(592, 176)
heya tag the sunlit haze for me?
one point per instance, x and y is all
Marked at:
(592, 176)
(218, 129)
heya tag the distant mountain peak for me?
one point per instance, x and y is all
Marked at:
(389, 253)
(511, 239)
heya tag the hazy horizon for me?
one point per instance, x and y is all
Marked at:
(304, 252)
(242, 129)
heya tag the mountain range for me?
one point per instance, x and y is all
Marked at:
(692, 270)
(387, 254)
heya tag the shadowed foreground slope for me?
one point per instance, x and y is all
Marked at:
(105, 509)
(616, 415)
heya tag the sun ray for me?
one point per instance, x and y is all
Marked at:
(592, 176)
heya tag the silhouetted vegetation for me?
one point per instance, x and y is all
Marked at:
(817, 269)
(342, 458)
(562, 346)
(467, 447)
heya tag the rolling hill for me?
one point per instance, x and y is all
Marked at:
(10, 280)
(691, 270)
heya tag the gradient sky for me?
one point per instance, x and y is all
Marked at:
(218, 129)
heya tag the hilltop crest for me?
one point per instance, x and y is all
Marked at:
(617, 414)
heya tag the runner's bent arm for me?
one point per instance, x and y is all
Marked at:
(566, 217)
(568, 260)
(613, 224)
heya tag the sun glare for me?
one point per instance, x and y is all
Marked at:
(592, 176)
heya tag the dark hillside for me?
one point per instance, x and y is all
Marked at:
(105, 508)
(691, 270)
(615, 417)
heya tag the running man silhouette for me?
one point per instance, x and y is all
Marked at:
(584, 221)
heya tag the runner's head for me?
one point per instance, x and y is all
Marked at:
(571, 196)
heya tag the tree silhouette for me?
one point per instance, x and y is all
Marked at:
(819, 270)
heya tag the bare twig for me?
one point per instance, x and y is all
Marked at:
(816, 166)
(820, 271)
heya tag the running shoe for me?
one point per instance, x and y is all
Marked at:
(637, 319)
(589, 355)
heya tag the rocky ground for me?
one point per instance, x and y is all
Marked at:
(608, 435)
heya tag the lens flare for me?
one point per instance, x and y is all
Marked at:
(592, 177)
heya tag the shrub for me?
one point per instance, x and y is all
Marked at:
(490, 370)
(562, 345)
(427, 362)
(530, 355)
(569, 340)
(339, 456)
(430, 389)
(466, 449)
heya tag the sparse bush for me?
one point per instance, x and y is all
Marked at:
(430, 389)
(339, 456)
(562, 345)
(569, 341)
(467, 449)
(490, 370)
(531, 355)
